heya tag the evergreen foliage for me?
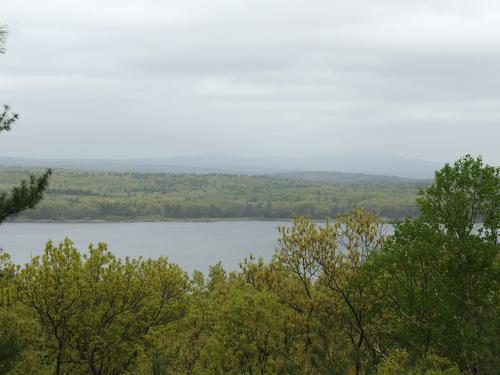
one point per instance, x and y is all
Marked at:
(30, 192)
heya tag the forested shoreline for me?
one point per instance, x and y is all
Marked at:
(339, 297)
(112, 196)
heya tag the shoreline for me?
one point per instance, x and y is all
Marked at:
(173, 220)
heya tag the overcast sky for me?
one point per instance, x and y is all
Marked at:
(157, 78)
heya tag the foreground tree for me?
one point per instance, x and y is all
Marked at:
(29, 192)
(464, 199)
(438, 275)
(95, 310)
(328, 262)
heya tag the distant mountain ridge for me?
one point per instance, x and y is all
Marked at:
(366, 164)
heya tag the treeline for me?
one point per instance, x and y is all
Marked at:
(78, 195)
(338, 298)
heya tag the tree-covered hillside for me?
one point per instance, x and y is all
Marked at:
(81, 195)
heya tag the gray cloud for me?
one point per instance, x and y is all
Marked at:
(256, 78)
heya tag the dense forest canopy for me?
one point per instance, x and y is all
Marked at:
(80, 195)
(341, 297)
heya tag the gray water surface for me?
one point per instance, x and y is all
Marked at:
(193, 245)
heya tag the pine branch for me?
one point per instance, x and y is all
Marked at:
(7, 119)
(23, 197)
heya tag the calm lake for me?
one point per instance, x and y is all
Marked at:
(193, 245)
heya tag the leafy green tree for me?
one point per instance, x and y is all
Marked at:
(94, 309)
(406, 276)
(358, 235)
(296, 263)
(327, 264)
(439, 273)
(464, 199)
(246, 338)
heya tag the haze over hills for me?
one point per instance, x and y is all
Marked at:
(346, 178)
(368, 164)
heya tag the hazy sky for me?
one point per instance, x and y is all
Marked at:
(156, 78)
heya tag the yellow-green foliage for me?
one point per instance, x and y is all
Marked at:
(94, 309)
(398, 363)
